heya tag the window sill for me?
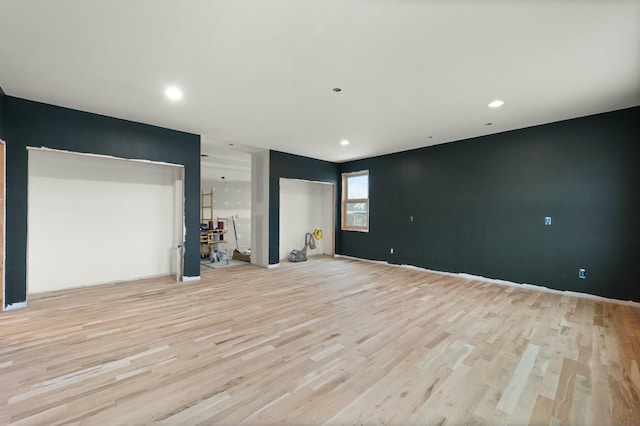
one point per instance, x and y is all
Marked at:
(356, 229)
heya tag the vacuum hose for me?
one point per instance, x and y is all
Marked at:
(309, 241)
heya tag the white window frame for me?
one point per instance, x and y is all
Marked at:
(345, 201)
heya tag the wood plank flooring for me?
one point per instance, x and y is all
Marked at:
(328, 341)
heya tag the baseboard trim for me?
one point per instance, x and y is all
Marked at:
(15, 306)
(501, 282)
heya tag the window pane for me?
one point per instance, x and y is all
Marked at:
(358, 186)
(356, 214)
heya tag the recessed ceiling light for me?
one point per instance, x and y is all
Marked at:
(337, 89)
(344, 142)
(497, 103)
(173, 93)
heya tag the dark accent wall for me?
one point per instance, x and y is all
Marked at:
(283, 165)
(3, 108)
(479, 205)
(39, 125)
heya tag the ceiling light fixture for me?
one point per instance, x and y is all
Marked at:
(497, 103)
(488, 124)
(337, 89)
(173, 93)
(344, 142)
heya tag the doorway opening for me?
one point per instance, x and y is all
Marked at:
(2, 218)
(225, 209)
(304, 207)
(96, 219)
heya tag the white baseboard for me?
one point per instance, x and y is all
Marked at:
(502, 282)
(14, 306)
(187, 279)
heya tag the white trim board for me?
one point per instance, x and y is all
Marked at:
(502, 282)
(86, 154)
(15, 306)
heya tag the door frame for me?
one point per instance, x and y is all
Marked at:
(4, 220)
(180, 167)
(333, 210)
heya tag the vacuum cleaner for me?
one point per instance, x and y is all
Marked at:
(301, 255)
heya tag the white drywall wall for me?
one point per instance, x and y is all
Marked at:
(232, 199)
(305, 206)
(95, 220)
(260, 208)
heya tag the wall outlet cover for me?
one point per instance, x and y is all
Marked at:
(547, 220)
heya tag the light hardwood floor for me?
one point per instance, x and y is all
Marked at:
(330, 341)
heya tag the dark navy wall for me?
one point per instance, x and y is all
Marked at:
(39, 125)
(479, 205)
(282, 165)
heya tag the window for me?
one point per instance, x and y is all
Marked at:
(355, 201)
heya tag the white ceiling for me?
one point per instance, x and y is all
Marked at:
(221, 162)
(259, 73)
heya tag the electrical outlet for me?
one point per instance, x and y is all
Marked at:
(411, 218)
(391, 250)
(547, 220)
(582, 273)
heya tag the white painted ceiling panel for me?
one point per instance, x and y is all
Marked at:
(259, 74)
